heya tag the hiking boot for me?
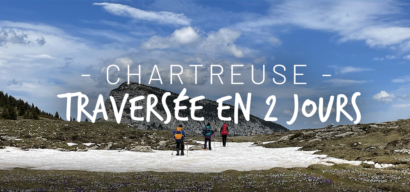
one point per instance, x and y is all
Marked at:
(177, 154)
(182, 153)
(204, 149)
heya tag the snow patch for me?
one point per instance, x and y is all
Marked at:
(236, 156)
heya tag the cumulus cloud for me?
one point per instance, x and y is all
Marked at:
(183, 36)
(163, 17)
(11, 36)
(221, 41)
(14, 82)
(384, 97)
(407, 57)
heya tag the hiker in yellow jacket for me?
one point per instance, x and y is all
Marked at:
(179, 136)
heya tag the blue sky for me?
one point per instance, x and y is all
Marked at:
(45, 46)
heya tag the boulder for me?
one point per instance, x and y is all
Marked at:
(162, 145)
(60, 149)
(95, 147)
(329, 126)
(313, 140)
(141, 149)
(258, 143)
(405, 151)
(284, 138)
(344, 134)
(355, 144)
(308, 134)
(196, 147)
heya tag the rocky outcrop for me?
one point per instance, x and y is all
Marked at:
(341, 131)
(196, 147)
(253, 127)
(141, 149)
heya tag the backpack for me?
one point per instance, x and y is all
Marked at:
(224, 130)
(208, 131)
(178, 133)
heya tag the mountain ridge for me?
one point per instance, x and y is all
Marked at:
(254, 126)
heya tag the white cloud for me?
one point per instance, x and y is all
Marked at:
(183, 36)
(390, 57)
(384, 97)
(407, 57)
(41, 56)
(275, 41)
(403, 79)
(163, 17)
(402, 105)
(260, 60)
(385, 57)
(221, 41)
(350, 69)
(339, 82)
(368, 21)
(288, 112)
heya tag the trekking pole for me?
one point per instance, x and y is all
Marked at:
(187, 146)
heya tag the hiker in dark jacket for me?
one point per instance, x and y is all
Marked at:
(208, 133)
(224, 133)
(179, 136)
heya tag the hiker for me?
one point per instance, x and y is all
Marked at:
(224, 133)
(208, 133)
(179, 136)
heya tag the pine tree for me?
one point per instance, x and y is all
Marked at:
(5, 113)
(12, 113)
(27, 114)
(21, 111)
(35, 116)
(86, 119)
(73, 119)
(57, 115)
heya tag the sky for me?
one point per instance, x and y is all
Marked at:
(46, 46)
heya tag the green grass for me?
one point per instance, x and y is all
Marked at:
(313, 178)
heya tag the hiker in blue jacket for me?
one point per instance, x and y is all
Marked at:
(208, 133)
(179, 136)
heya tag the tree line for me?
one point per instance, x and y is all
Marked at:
(13, 108)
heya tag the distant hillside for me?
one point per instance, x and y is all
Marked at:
(11, 108)
(253, 127)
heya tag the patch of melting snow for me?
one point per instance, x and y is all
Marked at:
(268, 142)
(88, 144)
(236, 156)
(378, 165)
(72, 144)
